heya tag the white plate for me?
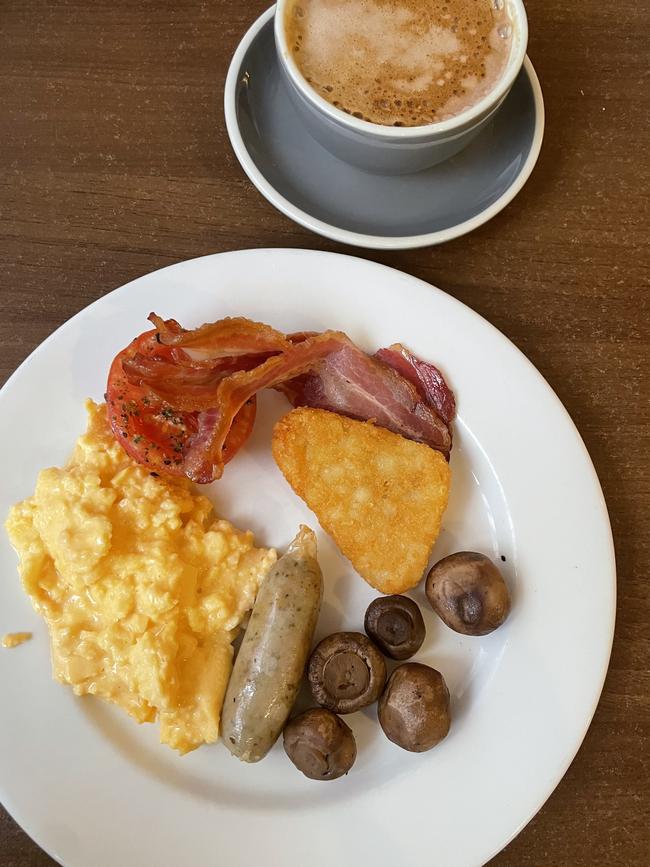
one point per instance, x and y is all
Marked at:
(93, 788)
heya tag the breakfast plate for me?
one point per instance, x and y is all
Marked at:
(92, 787)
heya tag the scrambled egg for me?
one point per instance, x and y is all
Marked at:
(142, 587)
(15, 639)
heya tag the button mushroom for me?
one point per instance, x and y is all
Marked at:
(468, 592)
(414, 707)
(320, 744)
(346, 672)
(396, 626)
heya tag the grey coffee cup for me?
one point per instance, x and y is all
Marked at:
(390, 149)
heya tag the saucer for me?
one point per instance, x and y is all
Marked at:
(339, 201)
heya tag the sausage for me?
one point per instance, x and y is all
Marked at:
(269, 667)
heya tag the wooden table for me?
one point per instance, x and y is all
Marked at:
(114, 161)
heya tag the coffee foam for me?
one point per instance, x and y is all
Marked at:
(400, 62)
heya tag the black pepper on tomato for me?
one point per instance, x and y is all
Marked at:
(150, 429)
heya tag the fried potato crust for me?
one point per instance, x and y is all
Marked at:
(380, 496)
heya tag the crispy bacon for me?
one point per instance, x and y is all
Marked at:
(232, 336)
(424, 376)
(197, 381)
(352, 383)
(209, 374)
(203, 453)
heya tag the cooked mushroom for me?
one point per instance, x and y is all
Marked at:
(396, 626)
(320, 744)
(414, 708)
(346, 672)
(468, 592)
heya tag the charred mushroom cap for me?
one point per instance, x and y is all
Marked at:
(414, 707)
(346, 672)
(320, 744)
(467, 591)
(396, 626)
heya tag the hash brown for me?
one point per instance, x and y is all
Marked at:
(380, 496)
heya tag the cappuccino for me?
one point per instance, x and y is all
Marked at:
(400, 62)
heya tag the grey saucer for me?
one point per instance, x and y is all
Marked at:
(341, 202)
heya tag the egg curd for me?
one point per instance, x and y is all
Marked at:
(142, 587)
(15, 639)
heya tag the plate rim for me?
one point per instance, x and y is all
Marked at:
(549, 787)
(346, 236)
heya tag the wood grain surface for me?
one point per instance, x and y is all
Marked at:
(114, 161)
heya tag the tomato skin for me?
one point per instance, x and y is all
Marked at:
(152, 431)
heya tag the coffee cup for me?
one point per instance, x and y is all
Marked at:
(396, 149)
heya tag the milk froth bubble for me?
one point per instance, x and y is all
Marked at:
(400, 62)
